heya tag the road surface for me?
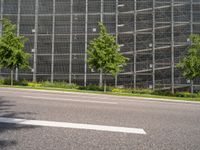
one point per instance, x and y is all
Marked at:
(46, 120)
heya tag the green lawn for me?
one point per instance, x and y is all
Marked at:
(108, 93)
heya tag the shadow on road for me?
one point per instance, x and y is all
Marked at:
(6, 111)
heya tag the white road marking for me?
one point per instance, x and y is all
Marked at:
(72, 125)
(100, 97)
(72, 100)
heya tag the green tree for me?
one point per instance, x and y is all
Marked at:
(12, 54)
(103, 54)
(190, 64)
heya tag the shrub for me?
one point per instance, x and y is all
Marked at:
(163, 93)
(185, 94)
(142, 91)
(198, 95)
(95, 88)
(7, 81)
(59, 85)
(127, 90)
(34, 84)
(122, 90)
(22, 83)
(117, 90)
(133, 91)
(91, 88)
(1, 81)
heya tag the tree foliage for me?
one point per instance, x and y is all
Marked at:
(12, 54)
(103, 53)
(190, 64)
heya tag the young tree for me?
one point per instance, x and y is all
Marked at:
(190, 64)
(103, 55)
(12, 53)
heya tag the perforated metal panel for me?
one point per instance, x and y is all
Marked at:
(153, 34)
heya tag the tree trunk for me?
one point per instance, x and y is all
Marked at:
(11, 78)
(101, 78)
(105, 86)
(16, 74)
(192, 86)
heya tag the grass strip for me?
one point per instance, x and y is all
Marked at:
(108, 93)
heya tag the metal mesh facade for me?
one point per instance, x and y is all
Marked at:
(153, 34)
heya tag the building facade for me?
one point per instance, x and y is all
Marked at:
(153, 34)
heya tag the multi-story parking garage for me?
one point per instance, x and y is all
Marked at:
(153, 34)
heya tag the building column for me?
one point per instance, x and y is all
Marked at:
(135, 45)
(35, 41)
(172, 48)
(53, 42)
(153, 43)
(86, 41)
(191, 31)
(2, 3)
(101, 20)
(71, 40)
(117, 33)
(18, 33)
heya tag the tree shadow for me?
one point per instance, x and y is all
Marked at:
(6, 112)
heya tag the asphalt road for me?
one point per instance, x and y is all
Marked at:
(168, 125)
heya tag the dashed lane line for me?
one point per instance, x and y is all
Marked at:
(72, 125)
